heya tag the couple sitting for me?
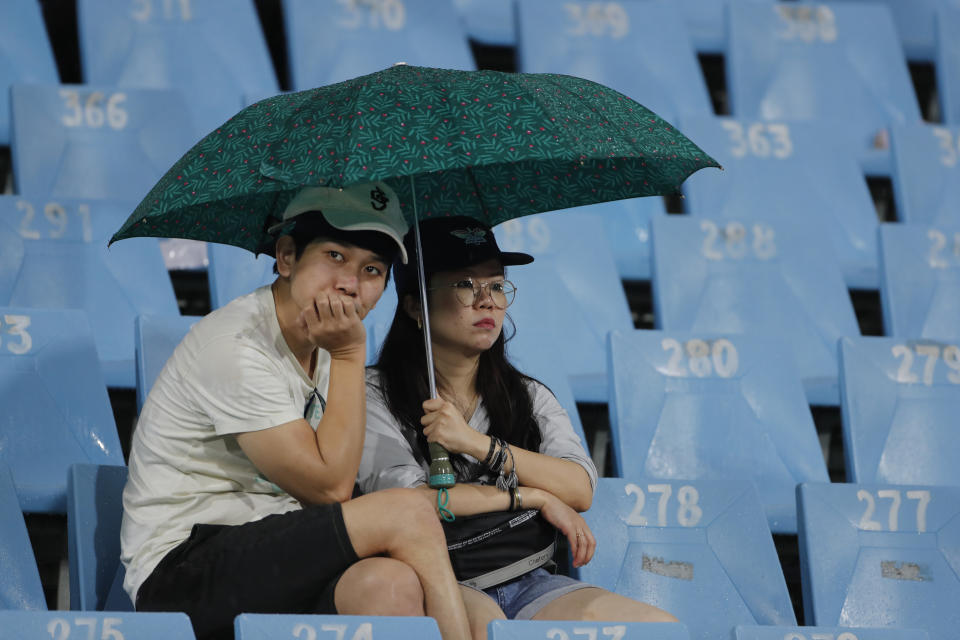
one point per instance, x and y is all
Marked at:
(248, 448)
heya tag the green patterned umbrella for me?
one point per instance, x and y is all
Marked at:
(487, 144)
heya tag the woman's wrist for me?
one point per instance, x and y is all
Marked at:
(533, 498)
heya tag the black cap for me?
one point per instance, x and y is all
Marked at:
(451, 243)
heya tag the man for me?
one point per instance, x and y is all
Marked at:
(245, 454)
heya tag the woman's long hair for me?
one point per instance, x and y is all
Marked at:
(502, 388)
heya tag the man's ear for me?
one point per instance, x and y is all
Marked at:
(411, 306)
(286, 251)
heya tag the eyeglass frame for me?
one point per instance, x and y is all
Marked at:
(480, 287)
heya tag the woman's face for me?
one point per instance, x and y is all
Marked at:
(471, 329)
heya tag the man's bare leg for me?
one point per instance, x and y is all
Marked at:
(379, 587)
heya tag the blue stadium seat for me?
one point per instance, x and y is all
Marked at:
(926, 160)
(156, 337)
(489, 22)
(698, 406)
(776, 170)
(20, 586)
(842, 61)
(947, 62)
(94, 511)
(571, 297)
(113, 625)
(880, 556)
(234, 272)
(213, 51)
(251, 626)
(55, 405)
(641, 49)
(700, 550)
(920, 281)
(827, 633)
(564, 629)
(329, 40)
(82, 141)
(901, 399)
(25, 54)
(707, 22)
(65, 264)
(775, 278)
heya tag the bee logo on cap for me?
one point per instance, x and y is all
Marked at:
(471, 235)
(378, 197)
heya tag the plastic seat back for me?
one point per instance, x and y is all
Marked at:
(156, 338)
(160, 45)
(901, 398)
(234, 272)
(20, 586)
(947, 60)
(827, 633)
(329, 41)
(113, 625)
(565, 629)
(489, 22)
(250, 626)
(880, 555)
(706, 22)
(764, 278)
(926, 162)
(699, 550)
(920, 281)
(94, 512)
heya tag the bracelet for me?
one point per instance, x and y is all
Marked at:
(509, 481)
(519, 497)
(493, 446)
(443, 499)
(510, 508)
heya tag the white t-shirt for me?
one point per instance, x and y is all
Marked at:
(233, 372)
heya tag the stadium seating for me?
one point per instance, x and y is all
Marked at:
(700, 550)
(234, 272)
(568, 299)
(25, 54)
(566, 629)
(777, 170)
(251, 626)
(925, 166)
(880, 555)
(641, 49)
(843, 61)
(94, 511)
(917, 24)
(66, 264)
(489, 22)
(20, 586)
(699, 406)
(113, 625)
(827, 633)
(213, 51)
(948, 60)
(901, 399)
(755, 277)
(55, 405)
(920, 281)
(330, 41)
(85, 141)
(156, 337)
(707, 22)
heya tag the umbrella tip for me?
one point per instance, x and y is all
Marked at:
(400, 64)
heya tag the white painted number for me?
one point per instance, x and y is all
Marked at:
(16, 326)
(597, 19)
(58, 218)
(932, 353)
(807, 23)
(60, 628)
(948, 146)
(303, 631)
(388, 14)
(735, 244)
(938, 243)
(703, 359)
(142, 10)
(761, 139)
(867, 522)
(92, 114)
(531, 235)
(688, 509)
(615, 632)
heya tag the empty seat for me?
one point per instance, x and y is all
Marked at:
(64, 263)
(880, 556)
(568, 299)
(113, 625)
(489, 22)
(82, 141)
(925, 159)
(20, 586)
(561, 629)
(25, 53)
(251, 626)
(916, 23)
(700, 406)
(640, 49)
(55, 405)
(94, 511)
(827, 633)
(329, 41)
(920, 283)
(707, 22)
(901, 399)
(947, 61)
(700, 550)
(156, 337)
(746, 276)
(841, 61)
(234, 272)
(777, 170)
(213, 51)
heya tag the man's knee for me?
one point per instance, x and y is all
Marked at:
(381, 587)
(413, 514)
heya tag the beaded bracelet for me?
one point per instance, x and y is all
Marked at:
(493, 446)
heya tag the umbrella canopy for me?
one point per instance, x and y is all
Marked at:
(486, 144)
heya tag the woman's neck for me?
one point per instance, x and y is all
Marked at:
(458, 372)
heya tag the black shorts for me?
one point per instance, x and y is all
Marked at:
(285, 563)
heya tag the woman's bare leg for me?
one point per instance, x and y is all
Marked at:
(481, 609)
(593, 603)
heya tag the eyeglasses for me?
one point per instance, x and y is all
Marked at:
(469, 291)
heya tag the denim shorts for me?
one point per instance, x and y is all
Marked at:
(523, 597)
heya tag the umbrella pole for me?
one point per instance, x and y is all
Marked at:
(441, 471)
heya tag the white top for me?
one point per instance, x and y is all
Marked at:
(389, 459)
(233, 372)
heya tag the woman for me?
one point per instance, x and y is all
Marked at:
(488, 415)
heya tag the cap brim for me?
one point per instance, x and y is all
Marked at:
(515, 258)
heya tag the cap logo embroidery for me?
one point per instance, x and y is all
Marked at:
(378, 199)
(471, 235)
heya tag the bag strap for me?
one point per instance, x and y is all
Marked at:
(511, 571)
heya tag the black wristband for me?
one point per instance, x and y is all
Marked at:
(510, 508)
(493, 446)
